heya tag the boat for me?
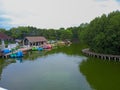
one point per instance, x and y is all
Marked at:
(17, 54)
(40, 49)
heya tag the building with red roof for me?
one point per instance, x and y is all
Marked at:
(4, 37)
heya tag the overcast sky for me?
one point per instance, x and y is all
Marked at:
(53, 13)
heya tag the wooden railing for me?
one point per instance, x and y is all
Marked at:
(101, 56)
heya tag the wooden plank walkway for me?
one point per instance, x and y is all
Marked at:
(8, 54)
(22, 49)
(101, 56)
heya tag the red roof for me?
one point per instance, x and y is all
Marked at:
(4, 36)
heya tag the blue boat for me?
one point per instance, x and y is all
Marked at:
(6, 51)
(40, 49)
(16, 55)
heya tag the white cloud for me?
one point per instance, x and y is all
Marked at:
(56, 13)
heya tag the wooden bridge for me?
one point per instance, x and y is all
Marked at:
(101, 56)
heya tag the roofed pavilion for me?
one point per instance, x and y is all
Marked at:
(34, 40)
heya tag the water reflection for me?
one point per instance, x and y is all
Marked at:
(101, 74)
(5, 63)
(49, 70)
(19, 59)
(35, 54)
(53, 72)
(73, 50)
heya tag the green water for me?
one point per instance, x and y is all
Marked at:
(63, 68)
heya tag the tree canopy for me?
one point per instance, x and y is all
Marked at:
(103, 34)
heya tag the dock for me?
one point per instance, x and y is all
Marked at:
(21, 49)
(24, 50)
(101, 56)
(8, 54)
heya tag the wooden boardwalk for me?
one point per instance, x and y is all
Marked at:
(22, 49)
(101, 56)
(8, 54)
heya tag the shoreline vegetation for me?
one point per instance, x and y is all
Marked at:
(102, 34)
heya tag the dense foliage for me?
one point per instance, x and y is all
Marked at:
(102, 34)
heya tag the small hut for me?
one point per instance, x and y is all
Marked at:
(34, 40)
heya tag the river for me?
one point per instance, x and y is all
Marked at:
(63, 68)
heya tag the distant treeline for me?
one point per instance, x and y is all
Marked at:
(102, 34)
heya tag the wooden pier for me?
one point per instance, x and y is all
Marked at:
(101, 56)
(21, 49)
(8, 54)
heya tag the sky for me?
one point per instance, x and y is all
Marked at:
(53, 13)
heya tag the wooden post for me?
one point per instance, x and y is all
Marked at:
(23, 42)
